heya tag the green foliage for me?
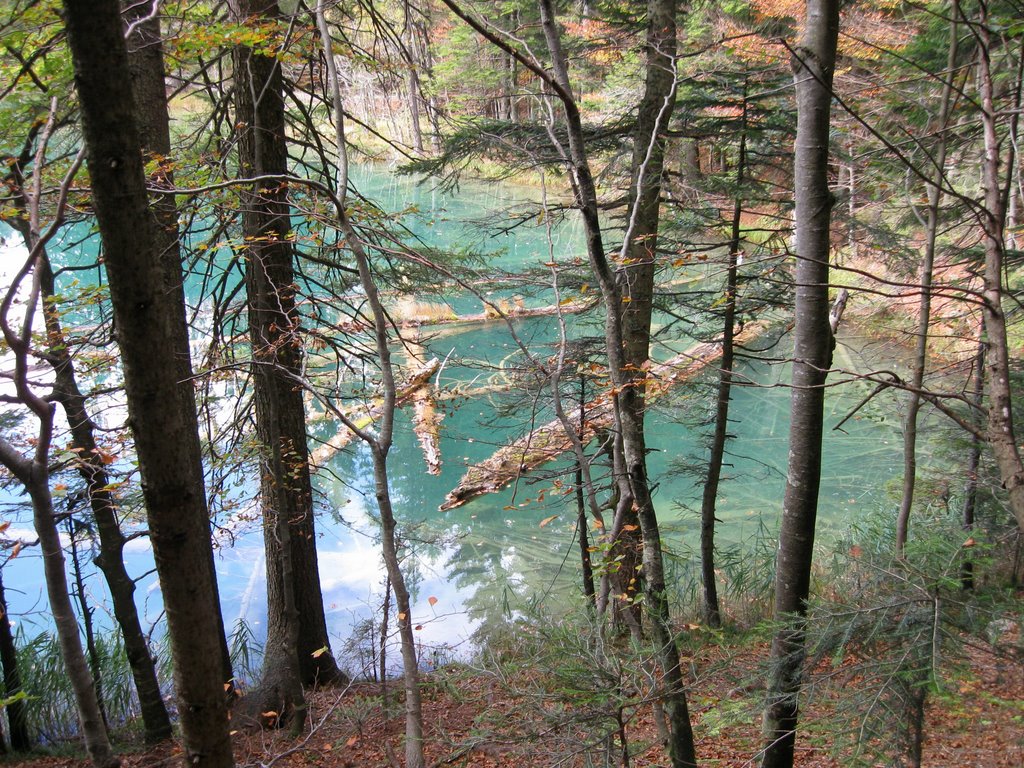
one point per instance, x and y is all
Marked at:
(887, 634)
(49, 699)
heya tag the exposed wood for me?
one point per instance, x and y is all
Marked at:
(549, 441)
(364, 414)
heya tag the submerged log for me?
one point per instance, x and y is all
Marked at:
(364, 414)
(549, 441)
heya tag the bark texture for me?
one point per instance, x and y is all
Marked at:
(997, 363)
(276, 343)
(161, 407)
(813, 66)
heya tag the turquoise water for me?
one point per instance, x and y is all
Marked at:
(491, 555)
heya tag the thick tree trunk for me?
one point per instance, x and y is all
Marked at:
(146, 63)
(274, 331)
(161, 407)
(21, 740)
(920, 359)
(813, 65)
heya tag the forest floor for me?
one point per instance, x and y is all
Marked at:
(475, 718)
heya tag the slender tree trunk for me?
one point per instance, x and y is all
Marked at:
(21, 740)
(973, 460)
(1000, 401)
(34, 475)
(920, 360)
(813, 65)
(85, 611)
(381, 442)
(161, 407)
(712, 611)
(90, 466)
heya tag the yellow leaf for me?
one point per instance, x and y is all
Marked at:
(319, 652)
(432, 600)
(547, 520)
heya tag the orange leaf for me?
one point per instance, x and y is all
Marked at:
(5, 525)
(432, 600)
(547, 520)
(970, 542)
(401, 616)
(630, 527)
(351, 741)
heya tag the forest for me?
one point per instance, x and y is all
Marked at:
(510, 383)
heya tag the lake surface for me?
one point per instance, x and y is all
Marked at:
(491, 556)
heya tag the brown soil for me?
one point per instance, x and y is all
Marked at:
(473, 719)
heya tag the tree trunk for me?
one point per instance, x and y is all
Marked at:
(21, 740)
(712, 611)
(90, 466)
(1000, 402)
(146, 63)
(813, 65)
(973, 460)
(276, 342)
(920, 359)
(161, 406)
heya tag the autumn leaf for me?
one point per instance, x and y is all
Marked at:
(432, 600)
(547, 520)
(402, 615)
(630, 527)
(419, 627)
(351, 741)
(319, 652)
(5, 525)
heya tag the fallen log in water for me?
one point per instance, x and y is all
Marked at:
(364, 414)
(549, 441)
(418, 314)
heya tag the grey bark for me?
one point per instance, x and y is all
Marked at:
(161, 407)
(1000, 401)
(813, 66)
(381, 442)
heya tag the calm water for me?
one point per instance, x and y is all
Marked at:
(491, 554)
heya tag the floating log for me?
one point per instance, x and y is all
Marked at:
(550, 441)
(417, 315)
(364, 415)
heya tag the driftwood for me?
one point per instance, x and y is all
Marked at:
(364, 414)
(549, 441)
